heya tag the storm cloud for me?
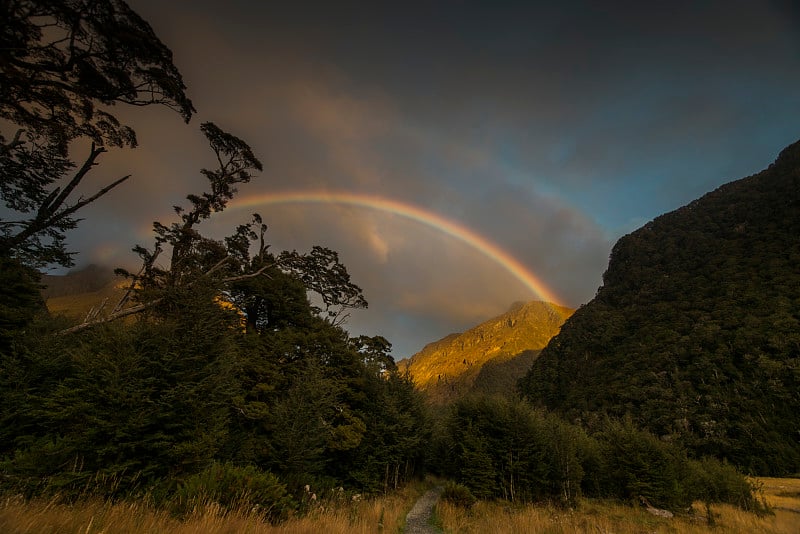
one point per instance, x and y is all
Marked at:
(550, 131)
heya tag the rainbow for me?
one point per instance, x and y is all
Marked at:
(415, 213)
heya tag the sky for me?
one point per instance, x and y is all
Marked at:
(459, 156)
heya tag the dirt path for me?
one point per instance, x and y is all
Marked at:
(418, 520)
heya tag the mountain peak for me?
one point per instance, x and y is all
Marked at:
(450, 366)
(789, 156)
(77, 281)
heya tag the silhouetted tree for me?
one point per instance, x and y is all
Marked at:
(63, 64)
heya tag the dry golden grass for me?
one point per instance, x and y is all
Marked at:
(607, 517)
(782, 493)
(386, 514)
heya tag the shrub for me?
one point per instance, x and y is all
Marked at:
(232, 487)
(637, 464)
(458, 495)
(502, 448)
(714, 481)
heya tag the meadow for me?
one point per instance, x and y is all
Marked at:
(95, 516)
(781, 494)
(387, 514)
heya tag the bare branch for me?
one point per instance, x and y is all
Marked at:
(95, 311)
(217, 265)
(249, 275)
(113, 317)
(85, 168)
(89, 200)
(46, 215)
(134, 280)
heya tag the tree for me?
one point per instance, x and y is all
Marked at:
(63, 65)
(376, 353)
(227, 356)
(19, 299)
(322, 273)
(135, 405)
(194, 258)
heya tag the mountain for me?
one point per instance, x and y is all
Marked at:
(695, 332)
(86, 280)
(489, 357)
(77, 292)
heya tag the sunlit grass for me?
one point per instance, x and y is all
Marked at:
(384, 514)
(607, 517)
(387, 514)
(782, 492)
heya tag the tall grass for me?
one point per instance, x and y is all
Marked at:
(601, 517)
(384, 514)
(387, 515)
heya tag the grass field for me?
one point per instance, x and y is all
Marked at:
(783, 495)
(387, 515)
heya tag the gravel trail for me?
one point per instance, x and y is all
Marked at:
(418, 519)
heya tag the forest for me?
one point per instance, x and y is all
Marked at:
(225, 371)
(694, 333)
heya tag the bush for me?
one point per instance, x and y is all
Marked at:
(232, 487)
(458, 495)
(637, 464)
(713, 481)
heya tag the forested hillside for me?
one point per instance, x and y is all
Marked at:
(695, 332)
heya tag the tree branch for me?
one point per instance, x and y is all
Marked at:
(82, 203)
(135, 279)
(247, 276)
(85, 168)
(113, 317)
(46, 216)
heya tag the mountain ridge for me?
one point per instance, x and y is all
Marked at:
(77, 292)
(449, 367)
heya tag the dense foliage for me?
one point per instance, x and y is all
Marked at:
(223, 360)
(695, 332)
(146, 405)
(499, 448)
(213, 364)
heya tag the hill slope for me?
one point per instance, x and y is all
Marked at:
(77, 292)
(695, 332)
(489, 357)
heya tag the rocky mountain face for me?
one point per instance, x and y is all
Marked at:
(488, 358)
(695, 333)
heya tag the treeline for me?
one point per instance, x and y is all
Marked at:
(503, 448)
(185, 404)
(146, 406)
(193, 401)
